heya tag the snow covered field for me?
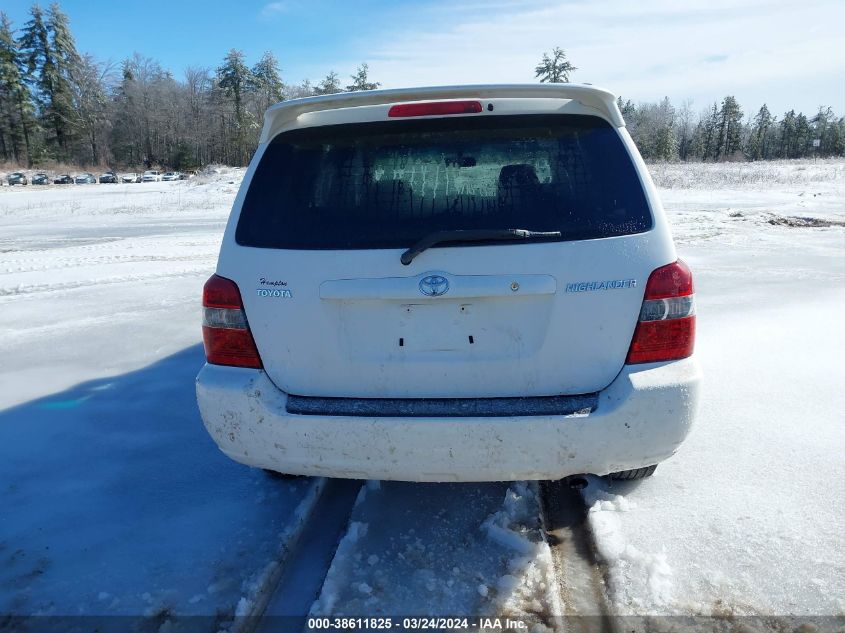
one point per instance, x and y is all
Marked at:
(114, 501)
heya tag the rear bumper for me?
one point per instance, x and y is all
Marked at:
(641, 419)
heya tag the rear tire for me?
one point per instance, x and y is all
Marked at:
(277, 475)
(636, 473)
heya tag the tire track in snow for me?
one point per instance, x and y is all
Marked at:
(531, 558)
(292, 590)
(580, 578)
(74, 285)
(61, 263)
(474, 550)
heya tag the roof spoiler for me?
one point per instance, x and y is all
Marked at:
(279, 115)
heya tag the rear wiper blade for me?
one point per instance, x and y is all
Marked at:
(471, 235)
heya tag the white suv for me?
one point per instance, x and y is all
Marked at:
(449, 284)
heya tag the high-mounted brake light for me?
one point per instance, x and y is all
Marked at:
(434, 108)
(225, 331)
(666, 328)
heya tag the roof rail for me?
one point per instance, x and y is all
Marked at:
(281, 114)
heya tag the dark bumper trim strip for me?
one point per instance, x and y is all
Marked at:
(443, 407)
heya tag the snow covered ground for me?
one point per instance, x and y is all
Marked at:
(424, 549)
(100, 279)
(114, 500)
(749, 517)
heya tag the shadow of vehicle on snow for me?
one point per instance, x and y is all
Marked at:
(117, 503)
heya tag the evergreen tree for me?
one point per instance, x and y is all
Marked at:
(664, 131)
(329, 85)
(803, 136)
(730, 128)
(787, 135)
(123, 139)
(709, 134)
(835, 138)
(268, 81)
(35, 42)
(360, 80)
(696, 144)
(36, 52)
(51, 57)
(554, 69)
(67, 61)
(762, 122)
(16, 114)
(235, 81)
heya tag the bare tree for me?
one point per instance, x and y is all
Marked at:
(92, 83)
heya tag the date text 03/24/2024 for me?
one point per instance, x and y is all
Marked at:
(415, 623)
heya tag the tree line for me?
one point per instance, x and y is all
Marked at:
(57, 104)
(720, 132)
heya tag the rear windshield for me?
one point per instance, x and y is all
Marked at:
(389, 184)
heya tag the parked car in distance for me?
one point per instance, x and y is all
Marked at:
(41, 179)
(85, 179)
(131, 177)
(16, 178)
(170, 176)
(108, 177)
(185, 175)
(152, 176)
(533, 323)
(63, 179)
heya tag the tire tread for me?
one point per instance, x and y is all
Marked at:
(636, 473)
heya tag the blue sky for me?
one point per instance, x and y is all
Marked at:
(785, 53)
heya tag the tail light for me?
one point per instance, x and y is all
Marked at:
(225, 331)
(666, 328)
